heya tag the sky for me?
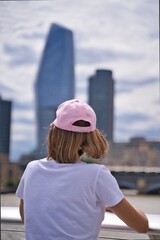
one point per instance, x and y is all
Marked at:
(122, 36)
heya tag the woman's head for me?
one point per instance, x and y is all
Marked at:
(74, 132)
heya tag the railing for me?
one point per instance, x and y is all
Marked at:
(113, 224)
(112, 227)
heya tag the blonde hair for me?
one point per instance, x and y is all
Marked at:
(67, 147)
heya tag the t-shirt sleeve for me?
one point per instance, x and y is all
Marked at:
(107, 188)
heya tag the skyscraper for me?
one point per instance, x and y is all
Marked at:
(55, 79)
(5, 123)
(9, 172)
(101, 98)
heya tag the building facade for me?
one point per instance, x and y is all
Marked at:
(55, 80)
(9, 172)
(101, 99)
(137, 152)
(5, 125)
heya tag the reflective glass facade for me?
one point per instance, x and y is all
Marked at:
(101, 97)
(55, 79)
(5, 124)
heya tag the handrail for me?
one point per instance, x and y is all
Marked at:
(111, 222)
(10, 215)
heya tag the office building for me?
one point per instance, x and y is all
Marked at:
(5, 125)
(10, 173)
(101, 99)
(55, 80)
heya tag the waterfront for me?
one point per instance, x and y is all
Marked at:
(148, 203)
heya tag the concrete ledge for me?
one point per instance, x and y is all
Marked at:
(111, 221)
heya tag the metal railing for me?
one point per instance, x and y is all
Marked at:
(112, 227)
(113, 224)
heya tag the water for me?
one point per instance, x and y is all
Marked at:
(147, 203)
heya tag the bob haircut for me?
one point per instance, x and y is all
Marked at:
(67, 146)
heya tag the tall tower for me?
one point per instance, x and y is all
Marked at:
(101, 99)
(55, 80)
(5, 123)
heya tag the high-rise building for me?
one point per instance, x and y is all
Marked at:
(55, 79)
(9, 172)
(101, 99)
(5, 123)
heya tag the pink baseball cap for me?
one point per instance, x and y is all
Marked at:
(74, 110)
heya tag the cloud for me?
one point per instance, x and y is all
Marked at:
(123, 86)
(127, 131)
(20, 54)
(22, 146)
(135, 124)
(133, 117)
(93, 55)
(141, 100)
(23, 105)
(33, 35)
(122, 36)
(23, 137)
(5, 89)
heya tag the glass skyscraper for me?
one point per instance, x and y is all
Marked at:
(101, 98)
(55, 80)
(5, 124)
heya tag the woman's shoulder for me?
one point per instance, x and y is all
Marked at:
(96, 167)
(34, 163)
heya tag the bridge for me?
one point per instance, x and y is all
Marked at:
(144, 179)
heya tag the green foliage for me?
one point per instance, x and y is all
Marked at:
(11, 184)
(87, 159)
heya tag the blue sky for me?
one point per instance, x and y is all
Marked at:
(122, 36)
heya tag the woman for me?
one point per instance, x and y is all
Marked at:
(63, 198)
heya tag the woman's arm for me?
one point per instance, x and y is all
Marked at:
(134, 218)
(21, 210)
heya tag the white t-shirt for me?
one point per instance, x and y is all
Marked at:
(66, 201)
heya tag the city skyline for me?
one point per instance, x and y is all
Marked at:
(120, 36)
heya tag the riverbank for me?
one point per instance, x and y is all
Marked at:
(147, 203)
